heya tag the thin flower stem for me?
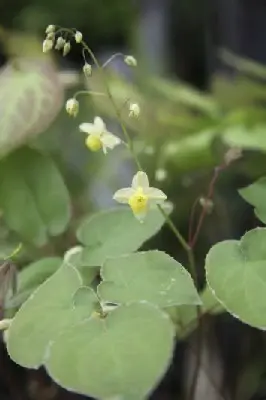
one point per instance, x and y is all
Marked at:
(209, 196)
(112, 58)
(172, 226)
(88, 93)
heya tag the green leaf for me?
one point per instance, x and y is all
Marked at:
(74, 257)
(255, 194)
(37, 272)
(248, 138)
(151, 276)
(48, 311)
(120, 357)
(236, 274)
(115, 232)
(33, 197)
(31, 96)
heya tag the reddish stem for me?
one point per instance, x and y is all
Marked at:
(217, 170)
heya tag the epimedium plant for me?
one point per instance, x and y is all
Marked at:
(103, 320)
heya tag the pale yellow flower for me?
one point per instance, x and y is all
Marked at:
(140, 196)
(98, 136)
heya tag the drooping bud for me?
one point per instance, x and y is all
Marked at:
(47, 45)
(87, 69)
(78, 37)
(66, 48)
(72, 107)
(50, 29)
(131, 61)
(134, 110)
(60, 43)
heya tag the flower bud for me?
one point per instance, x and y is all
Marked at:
(160, 174)
(78, 37)
(72, 107)
(50, 29)
(60, 43)
(87, 69)
(66, 48)
(134, 110)
(50, 36)
(47, 45)
(206, 204)
(232, 154)
(131, 61)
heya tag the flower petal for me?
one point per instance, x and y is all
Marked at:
(99, 124)
(109, 140)
(87, 128)
(156, 196)
(122, 195)
(140, 180)
(140, 215)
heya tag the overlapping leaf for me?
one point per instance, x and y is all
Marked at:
(122, 356)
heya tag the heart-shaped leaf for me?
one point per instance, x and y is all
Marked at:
(48, 311)
(33, 196)
(152, 276)
(236, 274)
(255, 194)
(31, 95)
(115, 232)
(122, 356)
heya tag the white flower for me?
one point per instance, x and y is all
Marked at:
(66, 48)
(87, 69)
(72, 107)
(134, 110)
(47, 45)
(50, 29)
(98, 136)
(78, 37)
(131, 61)
(140, 196)
(60, 43)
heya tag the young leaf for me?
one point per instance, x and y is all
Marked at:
(30, 98)
(255, 194)
(236, 274)
(48, 311)
(122, 356)
(115, 232)
(33, 197)
(151, 276)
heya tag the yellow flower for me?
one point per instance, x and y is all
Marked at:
(98, 136)
(140, 196)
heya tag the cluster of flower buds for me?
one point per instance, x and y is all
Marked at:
(60, 43)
